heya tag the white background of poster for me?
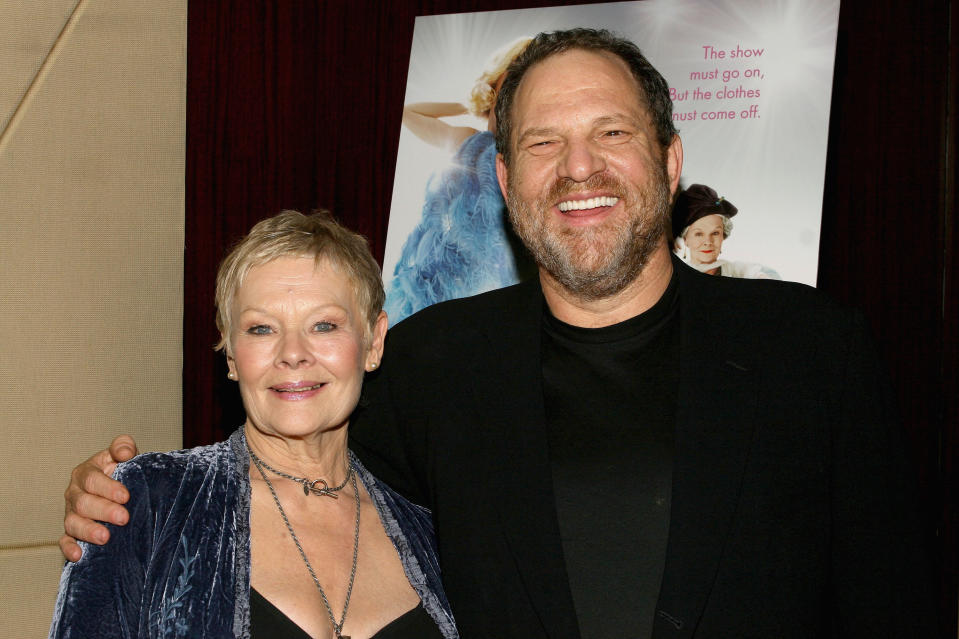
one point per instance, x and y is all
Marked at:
(770, 165)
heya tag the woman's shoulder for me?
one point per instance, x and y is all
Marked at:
(158, 468)
(390, 503)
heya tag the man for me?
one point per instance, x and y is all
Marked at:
(650, 452)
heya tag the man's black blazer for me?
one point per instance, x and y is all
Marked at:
(791, 512)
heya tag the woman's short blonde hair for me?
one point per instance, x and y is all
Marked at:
(483, 95)
(293, 234)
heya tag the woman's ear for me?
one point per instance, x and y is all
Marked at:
(230, 362)
(680, 248)
(377, 339)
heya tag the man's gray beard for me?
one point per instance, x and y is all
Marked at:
(596, 262)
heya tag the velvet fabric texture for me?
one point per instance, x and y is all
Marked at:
(181, 566)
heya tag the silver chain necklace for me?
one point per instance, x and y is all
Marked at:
(337, 627)
(308, 486)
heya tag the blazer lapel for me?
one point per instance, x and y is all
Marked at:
(519, 456)
(715, 415)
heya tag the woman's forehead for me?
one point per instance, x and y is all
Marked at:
(708, 222)
(297, 275)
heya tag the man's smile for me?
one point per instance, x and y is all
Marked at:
(587, 204)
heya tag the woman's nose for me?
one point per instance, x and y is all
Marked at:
(294, 351)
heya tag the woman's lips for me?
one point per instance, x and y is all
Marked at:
(297, 390)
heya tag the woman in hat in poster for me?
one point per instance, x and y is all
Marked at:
(702, 221)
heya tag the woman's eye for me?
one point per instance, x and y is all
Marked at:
(259, 329)
(324, 327)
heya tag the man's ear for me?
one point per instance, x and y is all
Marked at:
(501, 176)
(674, 163)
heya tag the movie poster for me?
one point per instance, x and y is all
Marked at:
(750, 81)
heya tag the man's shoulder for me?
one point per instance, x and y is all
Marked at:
(759, 295)
(790, 315)
(463, 313)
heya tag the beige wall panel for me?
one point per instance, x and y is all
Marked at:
(91, 248)
(30, 579)
(28, 30)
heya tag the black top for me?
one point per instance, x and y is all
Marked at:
(610, 408)
(268, 622)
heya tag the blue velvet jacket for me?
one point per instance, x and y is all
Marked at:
(181, 566)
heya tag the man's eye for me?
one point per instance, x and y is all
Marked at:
(259, 329)
(616, 135)
(541, 147)
(324, 327)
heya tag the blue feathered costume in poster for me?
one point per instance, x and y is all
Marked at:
(463, 244)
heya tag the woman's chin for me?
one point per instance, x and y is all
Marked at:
(293, 431)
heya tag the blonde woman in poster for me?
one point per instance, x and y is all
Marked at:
(463, 244)
(702, 221)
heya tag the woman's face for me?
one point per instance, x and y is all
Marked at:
(300, 347)
(704, 237)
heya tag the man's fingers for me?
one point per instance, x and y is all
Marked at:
(122, 448)
(90, 477)
(93, 496)
(87, 504)
(84, 529)
(70, 549)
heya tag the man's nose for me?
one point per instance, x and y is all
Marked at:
(581, 161)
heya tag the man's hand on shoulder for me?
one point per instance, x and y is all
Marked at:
(93, 496)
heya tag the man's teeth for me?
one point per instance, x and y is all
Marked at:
(591, 203)
(298, 389)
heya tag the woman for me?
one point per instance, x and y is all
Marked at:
(463, 245)
(701, 222)
(279, 531)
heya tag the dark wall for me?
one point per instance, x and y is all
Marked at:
(298, 105)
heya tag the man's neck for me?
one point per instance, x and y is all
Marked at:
(638, 297)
